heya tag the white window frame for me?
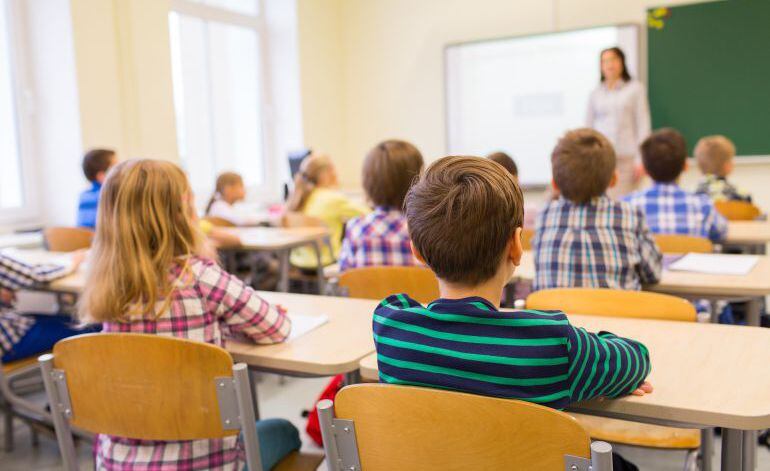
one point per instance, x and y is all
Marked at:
(24, 97)
(269, 189)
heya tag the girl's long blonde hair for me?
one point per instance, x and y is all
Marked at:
(223, 181)
(306, 180)
(146, 222)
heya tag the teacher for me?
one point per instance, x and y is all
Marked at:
(618, 109)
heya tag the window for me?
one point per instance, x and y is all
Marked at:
(219, 89)
(15, 201)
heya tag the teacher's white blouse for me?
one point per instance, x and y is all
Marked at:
(622, 114)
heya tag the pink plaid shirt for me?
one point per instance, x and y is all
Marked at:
(207, 305)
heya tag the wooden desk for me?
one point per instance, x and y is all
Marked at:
(755, 285)
(281, 241)
(21, 240)
(704, 375)
(749, 233)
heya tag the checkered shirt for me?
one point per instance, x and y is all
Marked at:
(671, 210)
(719, 189)
(209, 306)
(601, 244)
(377, 239)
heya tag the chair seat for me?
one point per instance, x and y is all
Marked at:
(297, 461)
(639, 434)
(9, 368)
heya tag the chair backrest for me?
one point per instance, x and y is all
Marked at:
(218, 221)
(679, 243)
(419, 283)
(404, 427)
(737, 210)
(526, 238)
(144, 386)
(67, 239)
(296, 219)
(613, 303)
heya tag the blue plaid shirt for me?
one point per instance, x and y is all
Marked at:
(87, 206)
(380, 238)
(671, 210)
(601, 244)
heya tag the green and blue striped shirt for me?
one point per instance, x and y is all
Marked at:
(468, 345)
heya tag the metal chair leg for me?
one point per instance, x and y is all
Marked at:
(8, 426)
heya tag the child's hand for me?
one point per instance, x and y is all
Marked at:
(7, 296)
(644, 388)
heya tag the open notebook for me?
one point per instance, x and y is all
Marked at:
(715, 264)
(301, 324)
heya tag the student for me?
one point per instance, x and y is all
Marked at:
(465, 217)
(584, 238)
(668, 208)
(381, 237)
(229, 190)
(715, 156)
(149, 274)
(315, 195)
(506, 161)
(23, 336)
(96, 162)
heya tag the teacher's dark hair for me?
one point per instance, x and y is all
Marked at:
(622, 56)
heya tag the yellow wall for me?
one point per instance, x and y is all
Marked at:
(381, 62)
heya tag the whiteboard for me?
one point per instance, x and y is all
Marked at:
(519, 95)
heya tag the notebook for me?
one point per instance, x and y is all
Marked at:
(715, 264)
(301, 324)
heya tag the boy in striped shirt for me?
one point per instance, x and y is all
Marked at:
(465, 216)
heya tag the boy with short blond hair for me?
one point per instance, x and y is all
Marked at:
(715, 156)
(465, 216)
(584, 238)
(668, 208)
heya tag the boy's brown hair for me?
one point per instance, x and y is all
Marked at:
(506, 161)
(389, 170)
(461, 214)
(583, 163)
(713, 153)
(95, 161)
(664, 154)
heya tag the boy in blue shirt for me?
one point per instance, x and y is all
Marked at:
(96, 163)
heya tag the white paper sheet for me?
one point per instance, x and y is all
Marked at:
(302, 324)
(715, 264)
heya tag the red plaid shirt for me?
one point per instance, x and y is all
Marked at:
(207, 305)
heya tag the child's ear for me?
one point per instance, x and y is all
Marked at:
(516, 247)
(729, 166)
(417, 254)
(555, 186)
(100, 176)
(686, 165)
(614, 179)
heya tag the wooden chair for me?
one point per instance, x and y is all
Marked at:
(635, 304)
(13, 404)
(378, 427)
(67, 239)
(526, 238)
(218, 222)
(737, 210)
(380, 282)
(678, 243)
(104, 383)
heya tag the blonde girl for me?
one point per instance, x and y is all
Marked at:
(150, 273)
(315, 195)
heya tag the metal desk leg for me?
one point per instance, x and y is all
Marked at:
(253, 378)
(319, 268)
(732, 450)
(352, 377)
(750, 449)
(283, 282)
(706, 448)
(753, 308)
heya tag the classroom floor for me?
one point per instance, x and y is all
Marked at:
(286, 400)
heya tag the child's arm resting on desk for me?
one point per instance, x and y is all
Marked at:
(604, 364)
(240, 310)
(15, 274)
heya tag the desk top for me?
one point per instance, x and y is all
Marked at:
(748, 232)
(703, 374)
(756, 283)
(21, 240)
(276, 238)
(333, 348)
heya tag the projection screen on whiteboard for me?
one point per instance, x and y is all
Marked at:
(518, 95)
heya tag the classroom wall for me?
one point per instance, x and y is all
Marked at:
(381, 62)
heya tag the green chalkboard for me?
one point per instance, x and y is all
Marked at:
(709, 71)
